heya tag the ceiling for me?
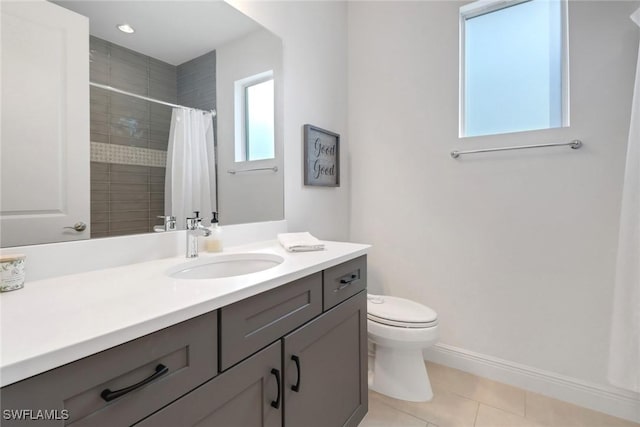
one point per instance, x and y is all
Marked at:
(171, 31)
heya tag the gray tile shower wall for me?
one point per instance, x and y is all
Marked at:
(197, 85)
(125, 198)
(121, 119)
(197, 82)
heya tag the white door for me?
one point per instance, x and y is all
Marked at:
(44, 145)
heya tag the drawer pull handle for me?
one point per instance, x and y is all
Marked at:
(109, 395)
(346, 282)
(276, 403)
(296, 386)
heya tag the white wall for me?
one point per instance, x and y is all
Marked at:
(251, 196)
(315, 92)
(516, 250)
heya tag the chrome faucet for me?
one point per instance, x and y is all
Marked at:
(195, 229)
(169, 224)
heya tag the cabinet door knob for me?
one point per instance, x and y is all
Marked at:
(276, 403)
(78, 226)
(296, 386)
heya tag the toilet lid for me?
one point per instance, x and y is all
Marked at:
(402, 312)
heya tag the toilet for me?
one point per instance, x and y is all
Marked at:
(399, 330)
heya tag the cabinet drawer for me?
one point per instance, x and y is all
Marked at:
(251, 324)
(187, 350)
(344, 281)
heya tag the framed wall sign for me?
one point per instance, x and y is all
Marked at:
(321, 157)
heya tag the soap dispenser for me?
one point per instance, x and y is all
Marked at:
(213, 243)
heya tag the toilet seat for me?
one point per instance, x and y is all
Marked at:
(399, 312)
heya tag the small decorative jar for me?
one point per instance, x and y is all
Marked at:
(11, 272)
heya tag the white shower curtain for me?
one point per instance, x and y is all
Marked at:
(190, 182)
(624, 350)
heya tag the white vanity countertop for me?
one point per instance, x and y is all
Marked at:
(55, 321)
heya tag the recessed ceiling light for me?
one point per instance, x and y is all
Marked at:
(126, 28)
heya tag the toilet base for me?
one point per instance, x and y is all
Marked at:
(401, 374)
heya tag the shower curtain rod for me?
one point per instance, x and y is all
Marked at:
(146, 98)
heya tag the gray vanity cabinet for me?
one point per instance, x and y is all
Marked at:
(292, 356)
(121, 385)
(322, 352)
(325, 366)
(247, 395)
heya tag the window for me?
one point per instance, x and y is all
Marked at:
(513, 63)
(254, 99)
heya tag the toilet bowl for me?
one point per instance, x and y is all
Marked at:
(400, 329)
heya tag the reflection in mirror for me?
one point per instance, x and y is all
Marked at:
(142, 142)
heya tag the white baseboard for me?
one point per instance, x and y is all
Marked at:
(610, 400)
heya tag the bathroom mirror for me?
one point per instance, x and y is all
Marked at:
(204, 55)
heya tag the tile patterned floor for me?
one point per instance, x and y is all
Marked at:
(465, 400)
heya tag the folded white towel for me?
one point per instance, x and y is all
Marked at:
(300, 242)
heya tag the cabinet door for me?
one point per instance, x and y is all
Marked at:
(248, 395)
(325, 365)
(44, 122)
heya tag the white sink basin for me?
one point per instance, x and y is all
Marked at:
(225, 266)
